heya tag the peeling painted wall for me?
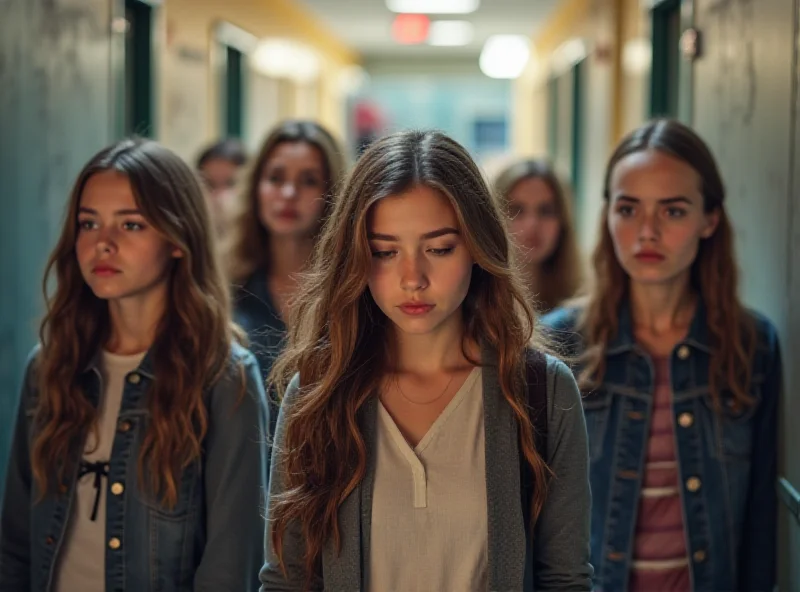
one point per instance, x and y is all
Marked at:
(743, 94)
(55, 112)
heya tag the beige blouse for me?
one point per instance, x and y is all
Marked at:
(429, 510)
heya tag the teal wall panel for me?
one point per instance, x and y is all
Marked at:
(56, 110)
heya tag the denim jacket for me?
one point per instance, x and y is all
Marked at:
(210, 540)
(255, 312)
(727, 461)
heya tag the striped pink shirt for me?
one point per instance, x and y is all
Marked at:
(660, 559)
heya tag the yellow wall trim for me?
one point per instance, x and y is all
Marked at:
(290, 11)
(617, 100)
(561, 25)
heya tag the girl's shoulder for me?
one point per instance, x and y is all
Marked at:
(765, 332)
(241, 371)
(561, 388)
(767, 351)
(30, 377)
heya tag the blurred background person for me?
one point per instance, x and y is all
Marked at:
(288, 194)
(220, 166)
(540, 220)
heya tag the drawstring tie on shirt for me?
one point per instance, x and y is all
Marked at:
(100, 470)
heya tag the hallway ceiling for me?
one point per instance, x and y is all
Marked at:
(365, 25)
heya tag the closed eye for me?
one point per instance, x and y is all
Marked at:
(383, 254)
(441, 252)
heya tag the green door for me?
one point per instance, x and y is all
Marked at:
(139, 111)
(233, 99)
(671, 74)
(576, 173)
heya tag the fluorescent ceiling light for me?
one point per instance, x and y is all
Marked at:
(433, 6)
(505, 56)
(450, 33)
(283, 58)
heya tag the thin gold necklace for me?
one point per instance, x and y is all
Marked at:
(402, 394)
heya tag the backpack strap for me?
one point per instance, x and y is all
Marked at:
(536, 385)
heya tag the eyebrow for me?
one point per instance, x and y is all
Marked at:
(281, 167)
(117, 213)
(426, 236)
(664, 201)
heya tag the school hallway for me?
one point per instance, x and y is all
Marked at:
(76, 75)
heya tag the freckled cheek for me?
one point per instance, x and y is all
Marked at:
(381, 275)
(683, 242)
(623, 236)
(378, 286)
(84, 249)
(458, 278)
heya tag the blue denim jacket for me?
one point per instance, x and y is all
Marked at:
(256, 313)
(727, 462)
(210, 540)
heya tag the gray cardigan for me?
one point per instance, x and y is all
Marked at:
(557, 558)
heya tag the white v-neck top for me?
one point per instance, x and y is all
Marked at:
(429, 512)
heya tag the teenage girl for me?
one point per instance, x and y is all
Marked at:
(405, 426)
(138, 455)
(682, 380)
(540, 221)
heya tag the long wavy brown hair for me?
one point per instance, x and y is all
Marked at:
(714, 274)
(561, 274)
(338, 333)
(248, 247)
(194, 336)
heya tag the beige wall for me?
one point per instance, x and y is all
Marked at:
(595, 23)
(188, 99)
(607, 28)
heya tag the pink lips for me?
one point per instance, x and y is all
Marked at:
(416, 308)
(104, 270)
(288, 215)
(649, 256)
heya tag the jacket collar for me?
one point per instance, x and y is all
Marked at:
(625, 339)
(145, 366)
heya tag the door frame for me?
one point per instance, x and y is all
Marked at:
(659, 11)
(230, 41)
